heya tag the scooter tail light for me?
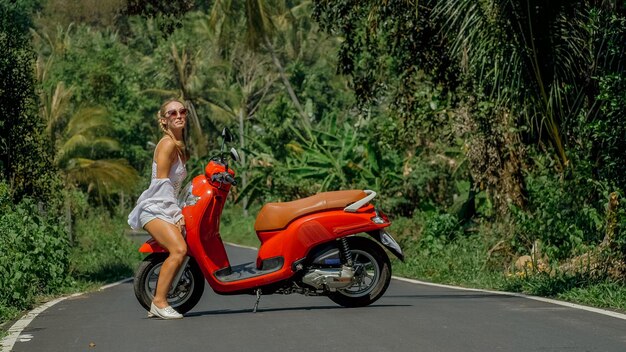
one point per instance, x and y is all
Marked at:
(380, 217)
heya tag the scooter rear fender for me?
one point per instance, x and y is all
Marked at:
(152, 246)
(385, 238)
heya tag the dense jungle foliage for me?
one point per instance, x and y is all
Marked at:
(493, 131)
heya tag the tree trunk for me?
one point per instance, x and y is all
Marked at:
(244, 175)
(68, 219)
(305, 118)
(199, 143)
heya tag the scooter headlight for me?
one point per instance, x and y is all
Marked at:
(186, 197)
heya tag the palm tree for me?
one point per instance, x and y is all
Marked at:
(239, 81)
(82, 155)
(54, 105)
(185, 73)
(260, 29)
(54, 101)
(529, 56)
(533, 60)
(82, 147)
(80, 138)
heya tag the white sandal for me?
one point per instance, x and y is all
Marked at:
(164, 313)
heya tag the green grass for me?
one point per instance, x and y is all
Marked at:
(610, 295)
(464, 262)
(237, 228)
(103, 251)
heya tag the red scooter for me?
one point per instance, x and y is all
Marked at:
(309, 246)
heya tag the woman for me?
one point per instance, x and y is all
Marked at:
(157, 210)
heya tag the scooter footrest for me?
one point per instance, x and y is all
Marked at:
(248, 270)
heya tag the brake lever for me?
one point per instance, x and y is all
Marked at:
(217, 178)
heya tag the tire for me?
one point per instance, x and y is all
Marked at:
(372, 281)
(187, 293)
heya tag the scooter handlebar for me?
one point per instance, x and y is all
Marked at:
(230, 179)
(224, 177)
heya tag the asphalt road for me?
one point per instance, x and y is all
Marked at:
(409, 317)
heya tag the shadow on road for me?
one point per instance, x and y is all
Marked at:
(261, 310)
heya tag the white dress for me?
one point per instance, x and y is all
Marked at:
(159, 200)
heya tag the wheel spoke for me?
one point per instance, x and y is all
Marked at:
(368, 269)
(180, 295)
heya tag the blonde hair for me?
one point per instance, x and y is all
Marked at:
(180, 145)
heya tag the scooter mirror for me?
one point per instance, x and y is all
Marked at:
(226, 135)
(234, 154)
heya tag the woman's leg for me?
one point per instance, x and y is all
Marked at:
(168, 236)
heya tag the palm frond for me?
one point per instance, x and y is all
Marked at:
(522, 57)
(104, 177)
(55, 105)
(259, 22)
(87, 120)
(163, 93)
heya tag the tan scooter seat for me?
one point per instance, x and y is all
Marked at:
(276, 216)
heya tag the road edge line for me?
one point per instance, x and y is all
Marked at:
(521, 295)
(18, 327)
(503, 293)
(241, 246)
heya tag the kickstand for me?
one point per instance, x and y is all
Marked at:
(258, 298)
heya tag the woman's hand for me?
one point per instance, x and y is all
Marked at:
(180, 224)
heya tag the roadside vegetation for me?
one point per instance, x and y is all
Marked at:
(492, 130)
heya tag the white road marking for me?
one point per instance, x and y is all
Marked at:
(115, 283)
(242, 246)
(25, 337)
(535, 298)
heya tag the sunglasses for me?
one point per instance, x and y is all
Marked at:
(181, 112)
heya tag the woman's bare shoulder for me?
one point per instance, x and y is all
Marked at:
(166, 147)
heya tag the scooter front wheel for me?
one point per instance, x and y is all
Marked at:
(183, 298)
(372, 274)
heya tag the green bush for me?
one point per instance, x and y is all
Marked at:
(237, 228)
(103, 252)
(438, 231)
(36, 258)
(33, 253)
(437, 249)
(607, 132)
(566, 215)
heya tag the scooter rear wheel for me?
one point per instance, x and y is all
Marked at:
(185, 296)
(373, 274)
